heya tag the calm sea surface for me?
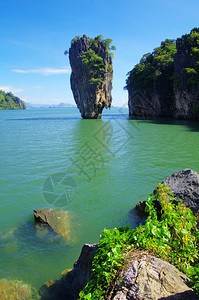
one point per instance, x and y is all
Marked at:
(96, 169)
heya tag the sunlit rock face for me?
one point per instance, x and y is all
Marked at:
(91, 77)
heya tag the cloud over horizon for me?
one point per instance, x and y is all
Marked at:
(9, 88)
(44, 71)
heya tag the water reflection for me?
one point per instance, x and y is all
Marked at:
(192, 125)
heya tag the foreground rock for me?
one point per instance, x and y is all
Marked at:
(72, 282)
(148, 277)
(61, 222)
(91, 77)
(16, 290)
(143, 277)
(185, 185)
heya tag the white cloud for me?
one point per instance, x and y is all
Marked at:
(44, 71)
(9, 88)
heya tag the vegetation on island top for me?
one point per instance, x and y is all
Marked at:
(94, 65)
(159, 65)
(191, 43)
(170, 234)
(153, 67)
(9, 101)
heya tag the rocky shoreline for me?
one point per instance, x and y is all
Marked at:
(143, 275)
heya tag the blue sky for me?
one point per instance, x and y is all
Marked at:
(35, 33)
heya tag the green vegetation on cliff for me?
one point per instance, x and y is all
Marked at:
(166, 81)
(94, 64)
(9, 101)
(189, 43)
(169, 232)
(153, 67)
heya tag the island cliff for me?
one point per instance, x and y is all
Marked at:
(186, 76)
(92, 73)
(9, 101)
(166, 81)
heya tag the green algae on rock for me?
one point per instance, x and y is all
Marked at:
(63, 223)
(16, 290)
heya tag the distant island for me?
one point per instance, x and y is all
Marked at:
(9, 101)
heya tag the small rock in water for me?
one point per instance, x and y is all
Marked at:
(63, 223)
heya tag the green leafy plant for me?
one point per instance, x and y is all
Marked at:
(170, 231)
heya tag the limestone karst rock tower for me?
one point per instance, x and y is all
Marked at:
(92, 73)
(165, 83)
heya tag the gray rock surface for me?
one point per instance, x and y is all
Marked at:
(149, 278)
(90, 98)
(145, 104)
(81, 274)
(185, 185)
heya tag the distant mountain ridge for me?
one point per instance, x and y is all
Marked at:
(9, 101)
(60, 105)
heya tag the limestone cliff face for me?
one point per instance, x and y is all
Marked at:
(91, 77)
(151, 82)
(150, 104)
(186, 89)
(142, 104)
(166, 82)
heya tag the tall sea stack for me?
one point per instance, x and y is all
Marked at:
(92, 73)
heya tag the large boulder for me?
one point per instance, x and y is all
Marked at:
(71, 282)
(91, 77)
(56, 289)
(81, 274)
(151, 278)
(143, 276)
(61, 222)
(185, 185)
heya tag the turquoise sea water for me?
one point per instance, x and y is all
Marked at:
(106, 165)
